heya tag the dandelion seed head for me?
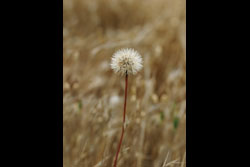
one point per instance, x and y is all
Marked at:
(126, 61)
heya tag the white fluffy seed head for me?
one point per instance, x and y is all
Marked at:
(126, 61)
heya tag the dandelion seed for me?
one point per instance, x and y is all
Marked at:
(126, 61)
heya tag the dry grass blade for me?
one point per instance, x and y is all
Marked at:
(165, 162)
(173, 162)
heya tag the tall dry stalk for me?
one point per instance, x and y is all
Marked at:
(124, 116)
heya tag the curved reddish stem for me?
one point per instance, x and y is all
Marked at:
(124, 116)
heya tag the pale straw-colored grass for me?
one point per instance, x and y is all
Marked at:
(155, 133)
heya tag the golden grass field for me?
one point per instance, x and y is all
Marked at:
(93, 96)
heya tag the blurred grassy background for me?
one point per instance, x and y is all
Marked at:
(155, 135)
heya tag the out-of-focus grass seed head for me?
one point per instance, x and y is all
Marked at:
(126, 60)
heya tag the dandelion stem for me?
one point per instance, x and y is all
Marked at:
(124, 116)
